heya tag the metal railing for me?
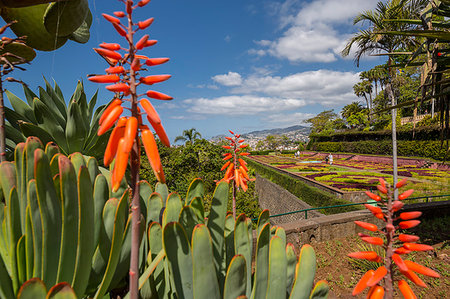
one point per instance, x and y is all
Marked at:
(350, 204)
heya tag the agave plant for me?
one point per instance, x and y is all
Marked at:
(190, 256)
(48, 24)
(72, 128)
(60, 223)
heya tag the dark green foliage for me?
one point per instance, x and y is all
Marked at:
(200, 159)
(308, 194)
(416, 148)
(421, 133)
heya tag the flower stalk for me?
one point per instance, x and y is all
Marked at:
(236, 171)
(125, 142)
(381, 282)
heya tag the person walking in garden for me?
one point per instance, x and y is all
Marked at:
(330, 159)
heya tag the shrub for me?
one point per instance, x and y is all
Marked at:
(419, 148)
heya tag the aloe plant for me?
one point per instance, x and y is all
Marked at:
(73, 127)
(60, 223)
(190, 256)
(48, 24)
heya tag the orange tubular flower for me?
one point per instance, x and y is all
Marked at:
(365, 255)
(399, 262)
(108, 109)
(225, 166)
(406, 194)
(408, 224)
(151, 149)
(421, 269)
(156, 61)
(120, 166)
(150, 110)
(377, 292)
(149, 80)
(130, 133)
(110, 119)
(368, 226)
(119, 87)
(119, 14)
(382, 189)
(120, 30)
(158, 95)
(410, 215)
(104, 79)
(142, 42)
(110, 46)
(402, 250)
(397, 205)
(417, 247)
(408, 238)
(401, 183)
(377, 276)
(113, 142)
(373, 240)
(374, 210)
(108, 53)
(111, 19)
(406, 290)
(145, 24)
(115, 70)
(362, 283)
(159, 129)
(373, 196)
(414, 278)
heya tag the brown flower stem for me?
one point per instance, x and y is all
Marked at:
(135, 165)
(233, 182)
(2, 125)
(388, 280)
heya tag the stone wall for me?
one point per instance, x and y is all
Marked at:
(278, 200)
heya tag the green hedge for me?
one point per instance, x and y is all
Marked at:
(421, 133)
(415, 148)
(311, 195)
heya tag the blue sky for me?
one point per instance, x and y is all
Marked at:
(238, 64)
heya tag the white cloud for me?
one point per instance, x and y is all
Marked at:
(326, 87)
(287, 119)
(242, 105)
(230, 79)
(311, 35)
(227, 38)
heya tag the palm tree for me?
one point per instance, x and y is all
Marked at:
(350, 109)
(188, 136)
(362, 89)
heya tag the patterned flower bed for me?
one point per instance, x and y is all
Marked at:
(425, 181)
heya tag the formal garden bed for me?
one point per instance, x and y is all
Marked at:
(356, 175)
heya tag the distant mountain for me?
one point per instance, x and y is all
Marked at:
(279, 131)
(295, 133)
